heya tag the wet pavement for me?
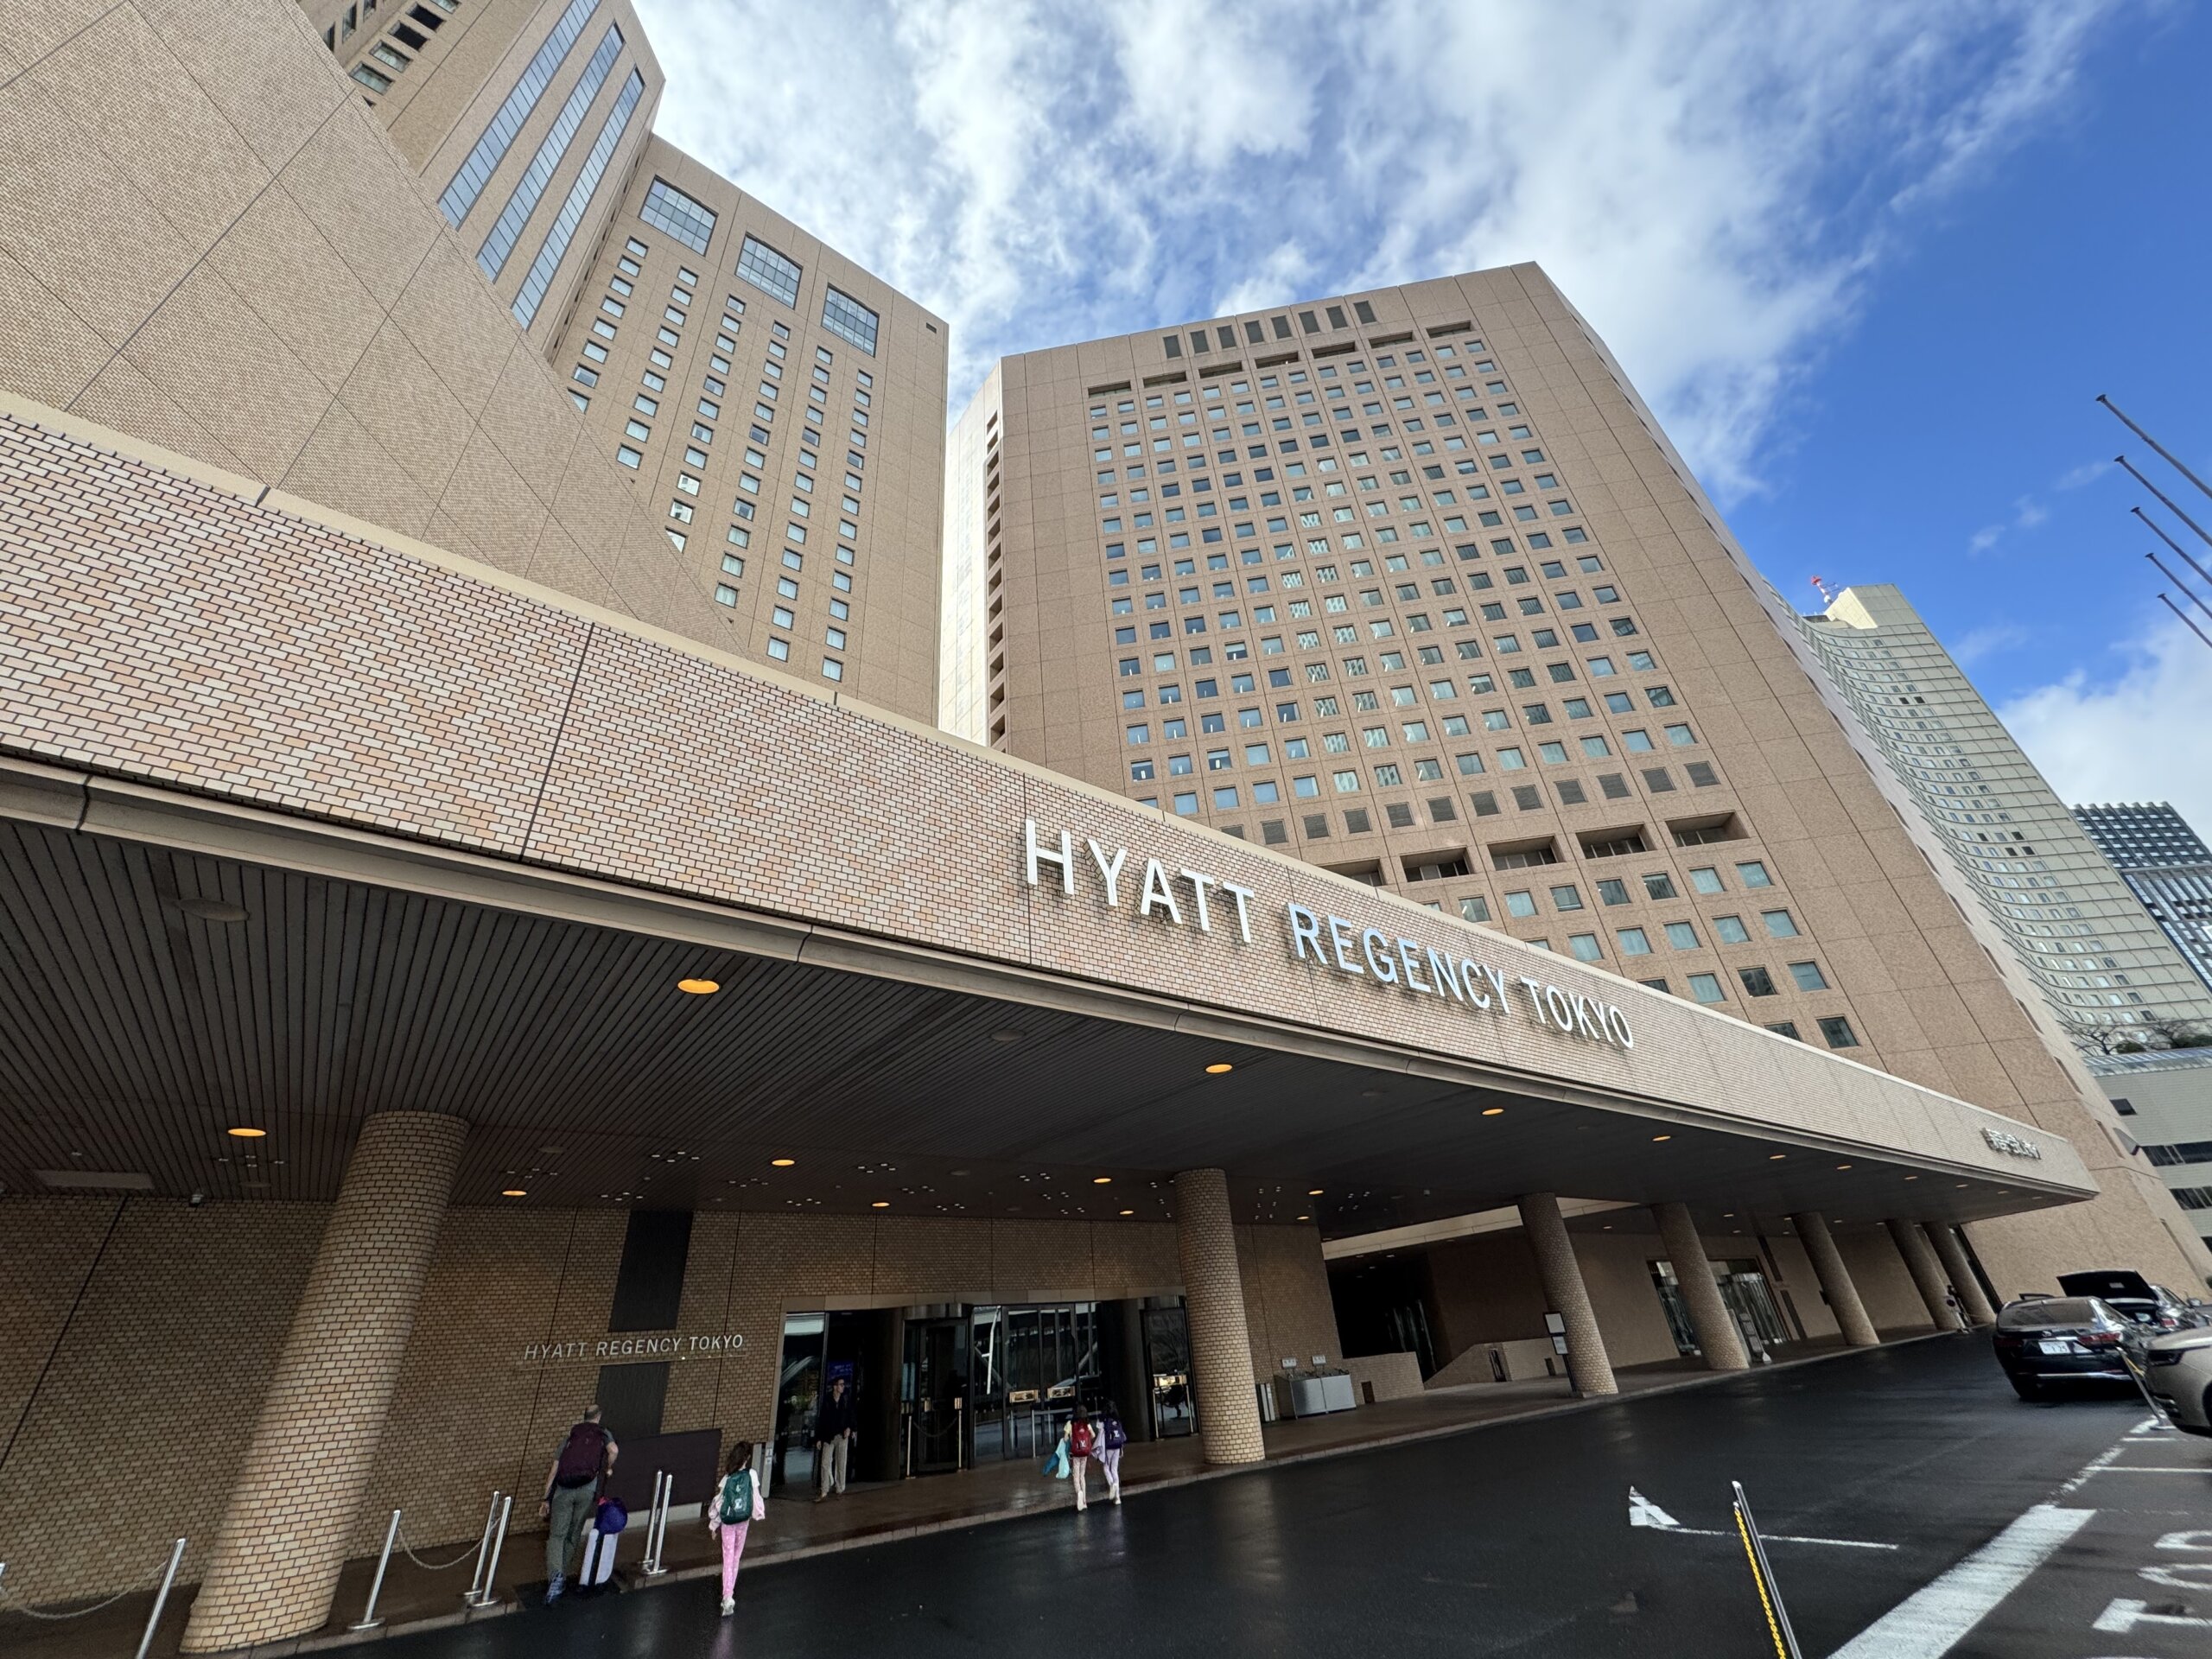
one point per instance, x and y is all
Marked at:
(1926, 1513)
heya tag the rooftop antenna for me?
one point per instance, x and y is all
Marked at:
(1827, 598)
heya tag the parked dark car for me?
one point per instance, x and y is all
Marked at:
(2049, 1341)
(2136, 1298)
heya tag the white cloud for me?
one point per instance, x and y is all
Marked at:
(2139, 735)
(1712, 182)
(1985, 539)
(2087, 473)
(1987, 641)
(2029, 514)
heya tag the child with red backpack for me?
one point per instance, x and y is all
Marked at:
(1083, 1441)
(736, 1504)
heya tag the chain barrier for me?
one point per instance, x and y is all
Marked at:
(11, 1603)
(473, 1550)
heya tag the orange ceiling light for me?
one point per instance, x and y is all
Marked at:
(243, 1133)
(1493, 1111)
(1102, 1180)
(698, 987)
(1219, 1068)
(880, 1204)
(515, 1192)
(1662, 1137)
(781, 1163)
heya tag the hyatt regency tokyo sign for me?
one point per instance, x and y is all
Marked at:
(1190, 898)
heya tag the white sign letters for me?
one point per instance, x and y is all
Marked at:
(1190, 898)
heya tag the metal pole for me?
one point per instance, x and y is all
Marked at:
(483, 1552)
(2184, 616)
(488, 1595)
(369, 1620)
(2169, 541)
(2179, 584)
(1777, 1621)
(2166, 501)
(656, 1523)
(2154, 443)
(161, 1599)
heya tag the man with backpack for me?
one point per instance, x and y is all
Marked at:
(571, 1493)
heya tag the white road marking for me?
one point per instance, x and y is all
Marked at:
(2088, 1469)
(2123, 1616)
(2147, 1469)
(1931, 1622)
(1642, 1512)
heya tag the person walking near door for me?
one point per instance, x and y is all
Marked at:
(736, 1504)
(1112, 1437)
(834, 1435)
(571, 1492)
(1083, 1441)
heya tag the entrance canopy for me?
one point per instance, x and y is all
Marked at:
(306, 822)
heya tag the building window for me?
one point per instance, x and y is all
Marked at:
(1779, 923)
(1837, 1030)
(845, 317)
(1706, 988)
(1758, 982)
(564, 229)
(476, 171)
(768, 271)
(690, 222)
(522, 202)
(832, 668)
(725, 594)
(371, 79)
(779, 650)
(1808, 976)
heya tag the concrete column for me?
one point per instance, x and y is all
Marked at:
(1835, 1279)
(1715, 1327)
(1926, 1272)
(1213, 1305)
(1953, 1253)
(299, 1490)
(1586, 1364)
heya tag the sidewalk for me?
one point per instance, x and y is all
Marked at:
(416, 1599)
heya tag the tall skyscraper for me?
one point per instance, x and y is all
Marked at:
(2069, 919)
(2167, 867)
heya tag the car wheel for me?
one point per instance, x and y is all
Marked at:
(2026, 1387)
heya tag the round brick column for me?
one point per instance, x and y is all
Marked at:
(1710, 1319)
(1835, 1279)
(1926, 1272)
(1952, 1254)
(1213, 1305)
(283, 1537)
(1587, 1366)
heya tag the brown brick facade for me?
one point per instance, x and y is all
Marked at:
(1220, 1340)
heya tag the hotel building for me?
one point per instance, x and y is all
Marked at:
(2097, 957)
(2166, 866)
(455, 968)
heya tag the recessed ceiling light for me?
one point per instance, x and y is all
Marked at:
(1662, 1137)
(1727, 1215)
(1776, 1157)
(699, 987)
(1006, 1036)
(1306, 1217)
(1912, 1177)
(781, 1163)
(211, 910)
(1218, 1067)
(514, 1192)
(880, 1204)
(1128, 1213)
(1313, 1192)
(1843, 1166)
(1102, 1180)
(1493, 1111)
(245, 1134)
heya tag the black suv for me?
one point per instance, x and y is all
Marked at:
(2137, 1299)
(2046, 1340)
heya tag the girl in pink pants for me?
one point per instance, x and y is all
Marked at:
(735, 1505)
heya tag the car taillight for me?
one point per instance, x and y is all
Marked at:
(2168, 1322)
(2099, 1338)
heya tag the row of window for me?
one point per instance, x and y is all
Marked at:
(1171, 345)
(412, 31)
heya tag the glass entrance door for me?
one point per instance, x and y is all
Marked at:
(798, 1383)
(1167, 1367)
(1030, 1366)
(1751, 1300)
(935, 1395)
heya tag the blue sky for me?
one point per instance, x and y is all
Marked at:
(1869, 263)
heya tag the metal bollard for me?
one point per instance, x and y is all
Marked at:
(489, 1595)
(657, 1524)
(1777, 1620)
(161, 1599)
(476, 1580)
(369, 1621)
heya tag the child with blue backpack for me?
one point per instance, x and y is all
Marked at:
(736, 1504)
(1112, 1437)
